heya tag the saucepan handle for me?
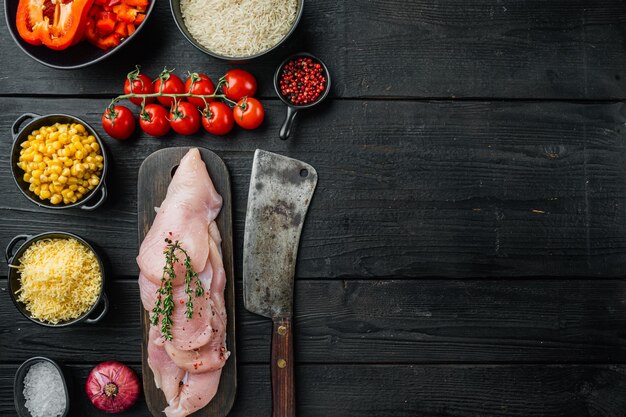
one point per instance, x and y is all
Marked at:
(105, 309)
(8, 253)
(285, 129)
(15, 128)
(283, 381)
(103, 196)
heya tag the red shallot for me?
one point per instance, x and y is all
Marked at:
(112, 387)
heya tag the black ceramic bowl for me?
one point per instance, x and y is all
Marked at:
(18, 385)
(95, 196)
(78, 56)
(178, 18)
(293, 109)
(13, 253)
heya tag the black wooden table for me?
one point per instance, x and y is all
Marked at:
(465, 252)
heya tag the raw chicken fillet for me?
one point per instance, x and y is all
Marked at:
(187, 368)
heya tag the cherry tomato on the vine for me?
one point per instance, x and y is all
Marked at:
(249, 113)
(153, 120)
(185, 118)
(218, 119)
(202, 86)
(118, 122)
(239, 84)
(138, 83)
(170, 84)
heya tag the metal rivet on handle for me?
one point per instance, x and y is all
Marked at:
(282, 363)
(282, 330)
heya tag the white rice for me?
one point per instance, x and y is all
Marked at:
(238, 28)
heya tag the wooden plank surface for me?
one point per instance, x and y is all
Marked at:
(409, 321)
(568, 49)
(155, 175)
(410, 189)
(413, 390)
(464, 254)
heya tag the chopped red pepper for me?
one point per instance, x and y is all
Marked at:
(106, 23)
(121, 29)
(114, 20)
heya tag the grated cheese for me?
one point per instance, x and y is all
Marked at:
(238, 28)
(60, 279)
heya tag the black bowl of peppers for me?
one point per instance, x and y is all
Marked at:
(301, 81)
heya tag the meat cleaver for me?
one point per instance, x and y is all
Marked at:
(280, 192)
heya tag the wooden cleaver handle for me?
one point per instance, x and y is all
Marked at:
(283, 382)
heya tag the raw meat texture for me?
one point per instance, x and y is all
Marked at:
(209, 357)
(212, 355)
(188, 367)
(214, 232)
(167, 376)
(148, 292)
(190, 206)
(197, 392)
(187, 334)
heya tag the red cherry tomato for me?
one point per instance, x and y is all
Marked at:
(239, 84)
(185, 118)
(202, 86)
(139, 84)
(218, 119)
(118, 122)
(168, 83)
(249, 113)
(154, 121)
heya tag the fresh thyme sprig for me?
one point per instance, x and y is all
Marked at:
(165, 301)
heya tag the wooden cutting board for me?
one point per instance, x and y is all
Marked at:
(155, 175)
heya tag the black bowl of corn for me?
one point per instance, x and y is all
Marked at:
(58, 161)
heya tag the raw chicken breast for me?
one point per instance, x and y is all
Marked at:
(187, 334)
(190, 206)
(188, 367)
(209, 357)
(194, 394)
(167, 376)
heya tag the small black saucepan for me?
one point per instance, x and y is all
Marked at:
(97, 196)
(13, 256)
(293, 109)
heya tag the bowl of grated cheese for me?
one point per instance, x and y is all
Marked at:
(56, 279)
(236, 30)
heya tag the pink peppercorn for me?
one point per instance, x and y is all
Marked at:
(302, 81)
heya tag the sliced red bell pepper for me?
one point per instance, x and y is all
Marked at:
(138, 4)
(57, 25)
(125, 13)
(106, 23)
(131, 28)
(140, 18)
(91, 33)
(121, 29)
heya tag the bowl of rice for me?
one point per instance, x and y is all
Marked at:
(56, 279)
(259, 25)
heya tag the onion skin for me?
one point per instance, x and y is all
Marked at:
(112, 387)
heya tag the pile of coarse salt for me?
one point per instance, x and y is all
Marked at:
(44, 391)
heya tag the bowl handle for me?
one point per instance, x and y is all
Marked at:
(105, 309)
(15, 129)
(8, 253)
(103, 197)
(285, 129)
